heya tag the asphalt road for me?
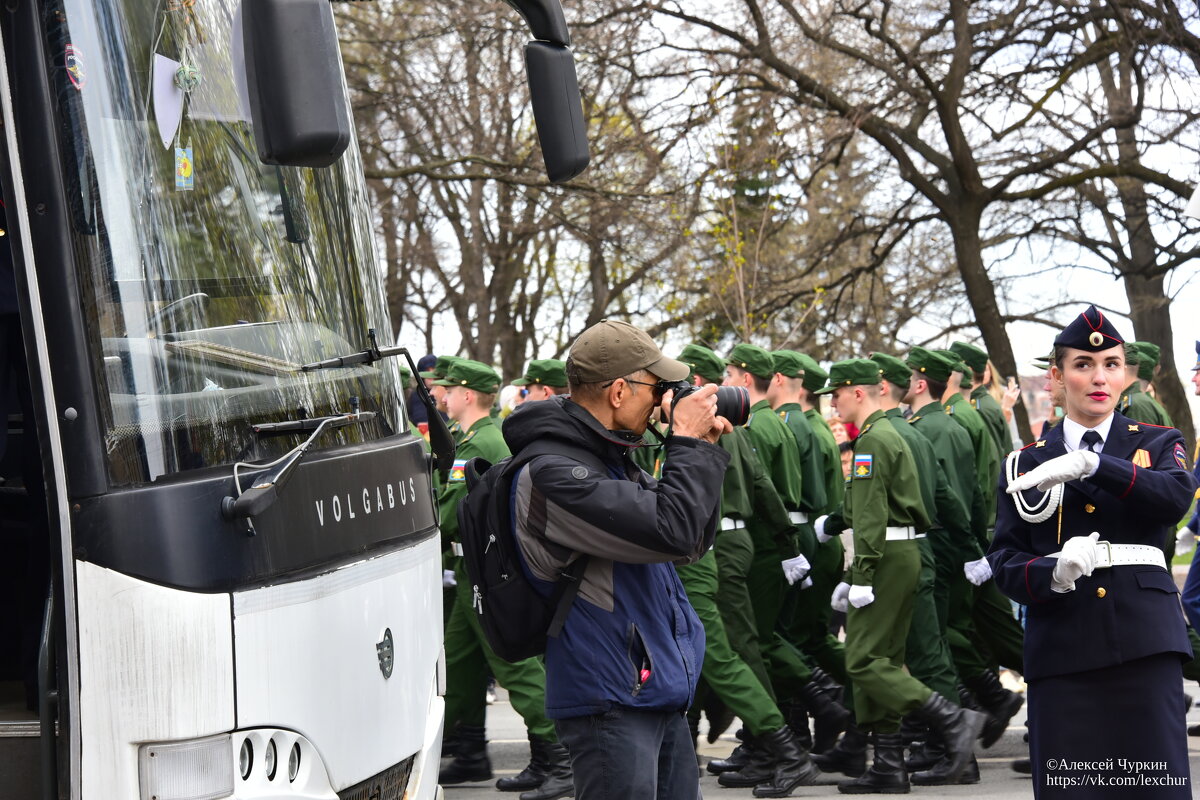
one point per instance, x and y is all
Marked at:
(509, 752)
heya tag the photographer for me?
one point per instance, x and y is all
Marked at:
(621, 675)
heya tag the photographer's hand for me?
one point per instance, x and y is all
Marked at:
(696, 414)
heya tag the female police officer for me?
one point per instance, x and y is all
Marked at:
(1081, 513)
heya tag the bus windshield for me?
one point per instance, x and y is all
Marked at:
(207, 276)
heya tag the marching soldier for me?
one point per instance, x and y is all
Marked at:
(1141, 361)
(976, 361)
(543, 379)
(469, 390)
(883, 506)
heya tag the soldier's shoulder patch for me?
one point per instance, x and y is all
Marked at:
(863, 465)
(1180, 456)
(458, 471)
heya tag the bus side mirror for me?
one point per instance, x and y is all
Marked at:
(557, 109)
(554, 89)
(297, 94)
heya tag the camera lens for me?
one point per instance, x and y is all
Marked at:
(733, 403)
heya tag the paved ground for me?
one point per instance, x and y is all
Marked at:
(510, 752)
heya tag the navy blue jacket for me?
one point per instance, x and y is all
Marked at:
(1118, 614)
(631, 637)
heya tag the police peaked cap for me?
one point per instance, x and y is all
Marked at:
(1090, 331)
(703, 362)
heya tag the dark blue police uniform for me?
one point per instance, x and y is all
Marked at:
(1104, 661)
(1191, 587)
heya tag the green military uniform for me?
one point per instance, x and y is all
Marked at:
(987, 459)
(882, 493)
(1141, 407)
(926, 652)
(805, 620)
(468, 656)
(982, 400)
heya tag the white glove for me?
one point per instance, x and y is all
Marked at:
(1184, 542)
(819, 527)
(978, 572)
(1078, 559)
(841, 597)
(861, 596)
(1072, 466)
(806, 584)
(795, 569)
(448, 579)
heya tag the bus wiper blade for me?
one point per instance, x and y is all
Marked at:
(265, 489)
(309, 424)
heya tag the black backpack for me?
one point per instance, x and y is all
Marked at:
(515, 617)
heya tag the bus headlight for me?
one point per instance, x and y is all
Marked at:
(197, 769)
(270, 759)
(246, 758)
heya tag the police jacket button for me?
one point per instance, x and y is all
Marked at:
(1101, 592)
(1089, 508)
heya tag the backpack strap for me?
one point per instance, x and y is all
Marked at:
(570, 579)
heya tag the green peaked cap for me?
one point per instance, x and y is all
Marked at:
(787, 363)
(1146, 355)
(894, 370)
(814, 376)
(473, 375)
(441, 368)
(932, 364)
(971, 355)
(546, 371)
(703, 362)
(753, 359)
(852, 372)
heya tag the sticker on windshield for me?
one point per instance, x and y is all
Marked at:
(74, 64)
(184, 180)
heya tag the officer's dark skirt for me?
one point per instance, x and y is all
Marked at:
(1112, 732)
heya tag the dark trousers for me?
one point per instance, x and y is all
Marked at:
(628, 754)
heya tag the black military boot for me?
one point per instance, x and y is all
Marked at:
(848, 757)
(926, 753)
(450, 745)
(534, 773)
(759, 767)
(1001, 703)
(471, 762)
(558, 780)
(739, 758)
(938, 775)
(793, 767)
(886, 775)
(993, 728)
(959, 727)
(797, 719)
(822, 697)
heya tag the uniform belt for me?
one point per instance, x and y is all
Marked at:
(731, 524)
(902, 533)
(1124, 555)
(798, 517)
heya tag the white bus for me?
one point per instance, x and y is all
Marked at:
(221, 564)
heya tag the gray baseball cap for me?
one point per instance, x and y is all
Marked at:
(611, 349)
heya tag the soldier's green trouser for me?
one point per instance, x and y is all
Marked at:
(926, 652)
(468, 658)
(807, 614)
(946, 567)
(997, 629)
(1191, 669)
(875, 639)
(969, 659)
(724, 671)
(787, 666)
(735, 554)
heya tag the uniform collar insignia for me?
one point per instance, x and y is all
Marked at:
(1134, 429)
(1040, 443)
(913, 418)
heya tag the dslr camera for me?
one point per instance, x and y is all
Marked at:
(733, 402)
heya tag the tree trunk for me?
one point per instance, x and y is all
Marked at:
(982, 294)
(1150, 310)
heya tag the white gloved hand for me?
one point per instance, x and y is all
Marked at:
(1078, 559)
(841, 597)
(819, 527)
(806, 584)
(796, 569)
(448, 579)
(1072, 466)
(861, 596)
(978, 572)
(1185, 540)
